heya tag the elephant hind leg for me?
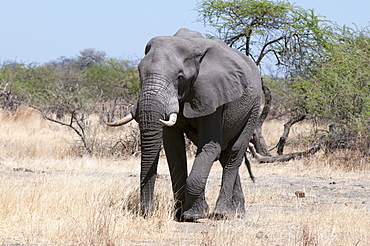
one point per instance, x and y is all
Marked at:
(231, 200)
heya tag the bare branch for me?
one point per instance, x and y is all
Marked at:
(80, 132)
(263, 53)
(287, 157)
(287, 126)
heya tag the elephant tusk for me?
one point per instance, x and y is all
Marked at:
(122, 121)
(171, 121)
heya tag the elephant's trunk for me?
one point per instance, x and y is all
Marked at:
(153, 105)
(151, 140)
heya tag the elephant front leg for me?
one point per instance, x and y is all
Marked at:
(174, 145)
(209, 130)
(195, 204)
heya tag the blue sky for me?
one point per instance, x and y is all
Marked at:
(44, 30)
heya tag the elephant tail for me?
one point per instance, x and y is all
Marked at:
(248, 164)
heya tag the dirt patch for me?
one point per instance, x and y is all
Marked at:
(324, 212)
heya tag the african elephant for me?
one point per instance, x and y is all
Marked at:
(210, 92)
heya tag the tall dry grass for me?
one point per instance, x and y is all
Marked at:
(51, 196)
(26, 135)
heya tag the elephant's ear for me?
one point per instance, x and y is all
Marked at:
(222, 78)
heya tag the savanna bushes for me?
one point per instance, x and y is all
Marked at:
(73, 91)
(335, 92)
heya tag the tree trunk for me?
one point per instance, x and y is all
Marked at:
(259, 142)
(287, 126)
(258, 139)
(286, 157)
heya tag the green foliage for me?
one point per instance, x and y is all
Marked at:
(68, 82)
(338, 89)
(113, 78)
(286, 33)
(252, 15)
(68, 90)
(26, 79)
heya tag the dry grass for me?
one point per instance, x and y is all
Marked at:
(50, 196)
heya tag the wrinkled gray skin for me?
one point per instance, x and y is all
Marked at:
(216, 92)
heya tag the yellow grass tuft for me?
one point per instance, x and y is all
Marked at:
(25, 134)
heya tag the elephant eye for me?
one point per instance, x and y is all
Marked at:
(180, 77)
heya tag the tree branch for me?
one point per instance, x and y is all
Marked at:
(286, 157)
(80, 132)
(287, 126)
(263, 53)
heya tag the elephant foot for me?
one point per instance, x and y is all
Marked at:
(198, 211)
(179, 216)
(228, 210)
(222, 214)
(146, 211)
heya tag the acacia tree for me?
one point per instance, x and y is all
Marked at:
(269, 31)
(337, 90)
(88, 57)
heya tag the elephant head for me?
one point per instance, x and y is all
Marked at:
(187, 74)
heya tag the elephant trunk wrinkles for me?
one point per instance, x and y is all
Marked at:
(150, 147)
(152, 107)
